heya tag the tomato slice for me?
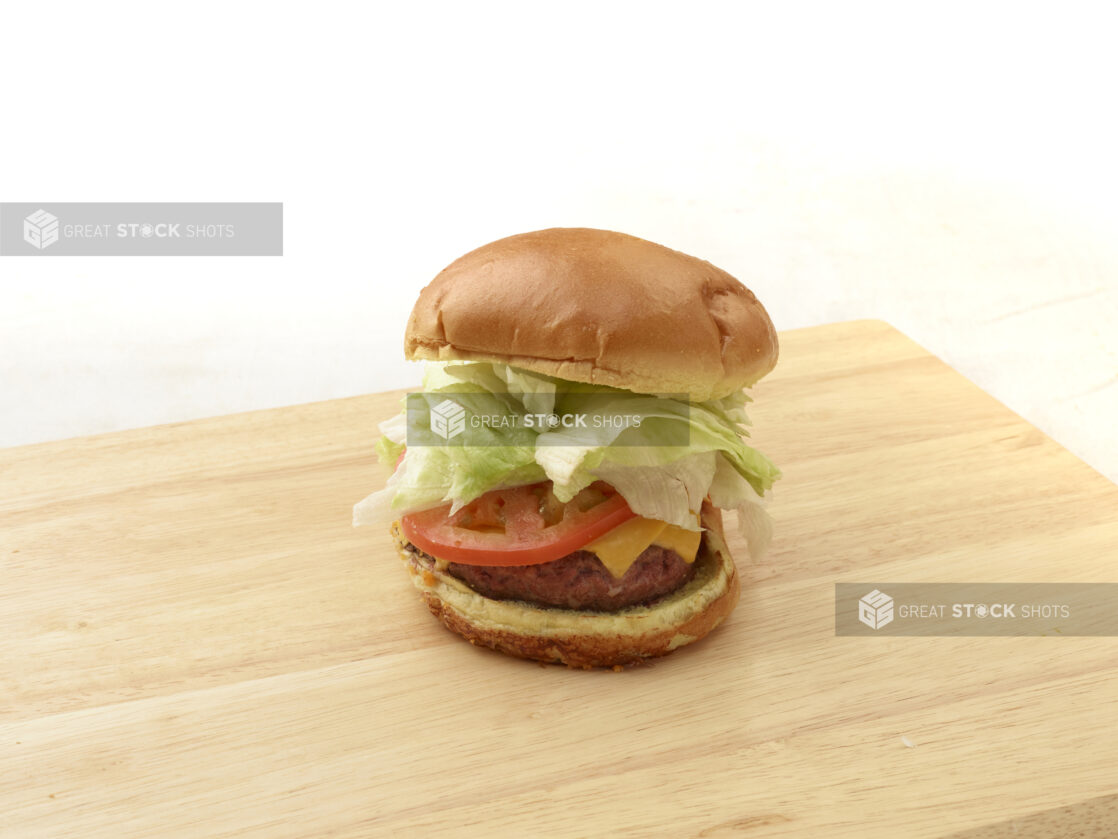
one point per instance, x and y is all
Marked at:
(524, 525)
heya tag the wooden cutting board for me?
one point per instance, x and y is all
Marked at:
(195, 642)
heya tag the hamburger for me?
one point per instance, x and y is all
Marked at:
(559, 482)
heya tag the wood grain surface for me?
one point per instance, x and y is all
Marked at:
(195, 642)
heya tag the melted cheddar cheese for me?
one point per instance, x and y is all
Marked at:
(620, 548)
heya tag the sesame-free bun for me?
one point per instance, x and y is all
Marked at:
(598, 307)
(586, 639)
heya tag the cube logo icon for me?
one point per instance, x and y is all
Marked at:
(448, 419)
(40, 229)
(875, 609)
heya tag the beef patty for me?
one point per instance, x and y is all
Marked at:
(579, 580)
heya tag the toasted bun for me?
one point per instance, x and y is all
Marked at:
(587, 639)
(599, 307)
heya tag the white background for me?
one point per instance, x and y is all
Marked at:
(951, 170)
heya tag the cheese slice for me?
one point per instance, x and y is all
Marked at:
(683, 542)
(620, 548)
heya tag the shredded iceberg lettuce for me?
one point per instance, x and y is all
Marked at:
(657, 476)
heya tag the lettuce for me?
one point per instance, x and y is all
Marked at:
(659, 477)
